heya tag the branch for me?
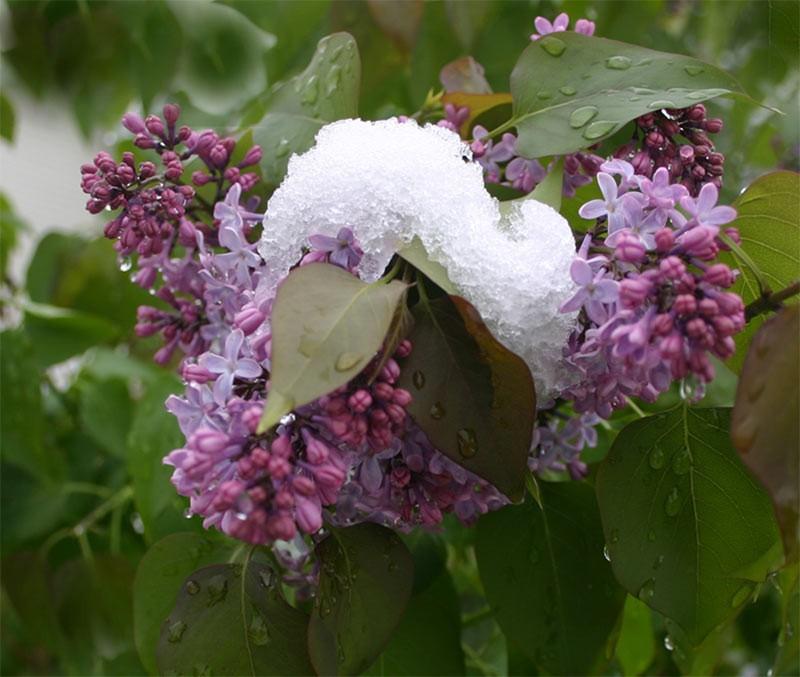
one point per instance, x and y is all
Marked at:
(771, 302)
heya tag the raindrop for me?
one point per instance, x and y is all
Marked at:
(741, 596)
(606, 553)
(656, 458)
(283, 148)
(618, 63)
(644, 62)
(598, 129)
(310, 91)
(188, 514)
(347, 361)
(647, 590)
(661, 103)
(418, 379)
(125, 264)
(582, 116)
(258, 631)
(693, 69)
(175, 631)
(266, 578)
(467, 443)
(137, 523)
(217, 590)
(634, 99)
(393, 566)
(669, 644)
(553, 46)
(659, 561)
(672, 504)
(682, 462)
(614, 536)
(437, 411)
(332, 79)
(544, 94)
(566, 90)
(192, 587)
(644, 91)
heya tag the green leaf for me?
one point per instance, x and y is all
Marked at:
(416, 255)
(232, 619)
(365, 584)
(769, 225)
(159, 578)
(688, 530)
(703, 658)
(571, 90)
(6, 119)
(544, 574)
(154, 433)
(474, 398)
(636, 647)
(223, 57)
(57, 333)
(106, 412)
(765, 426)
(787, 661)
(325, 91)
(326, 327)
(549, 191)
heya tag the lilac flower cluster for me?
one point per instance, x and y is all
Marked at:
(652, 297)
(559, 441)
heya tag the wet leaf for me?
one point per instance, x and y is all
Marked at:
(544, 574)
(232, 619)
(769, 225)
(326, 327)
(689, 532)
(571, 90)
(474, 398)
(416, 255)
(365, 583)
(765, 426)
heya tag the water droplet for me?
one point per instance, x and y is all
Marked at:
(266, 578)
(613, 537)
(582, 116)
(418, 379)
(533, 555)
(467, 443)
(125, 264)
(634, 99)
(586, 76)
(672, 504)
(644, 62)
(656, 458)
(347, 361)
(552, 45)
(682, 462)
(598, 129)
(332, 79)
(741, 596)
(606, 553)
(437, 411)
(651, 535)
(393, 566)
(659, 561)
(188, 514)
(340, 653)
(618, 63)
(566, 90)
(648, 590)
(217, 590)
(643, 91)
(175, 631)
(544, 94)
(693, 69)
(258, 631)
(310, 90)
(669, 644)
(192, 587)
(660, 103)
(283, 148)
(324, 609)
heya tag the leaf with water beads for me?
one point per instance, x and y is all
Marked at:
(692, 532)
(595, 86)
(327, 325)
(473, 398)
(232, 619)
(365, 583)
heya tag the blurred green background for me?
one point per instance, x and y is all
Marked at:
(83, 425)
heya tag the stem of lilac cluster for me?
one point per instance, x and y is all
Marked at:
(771, 302)
(636, 408)
(741, 254)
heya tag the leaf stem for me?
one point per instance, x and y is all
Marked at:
(745, 258)
(636, 408)
(771, 302)
(508, 124)
(476, 617)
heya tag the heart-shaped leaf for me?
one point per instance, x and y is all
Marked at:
(769, 225)
(365, 583)
(765, 426)
(571, 90)
(232, 619)
(688, 530)
(545, 577)
(326, 327)
(473, 397)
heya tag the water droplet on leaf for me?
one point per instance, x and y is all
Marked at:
(606, 553)
(347, 361)
(659, 561)
(669, 644)
(437, 411)
(598, 129)
(619, 63)
(682, 462)
(582, 116)
(648, 590)
(544, 94)
(125, 264)
(217, 590)
(258, 631)
(418, 379)
(651, 535)
(283, 148)
(467, 443)
(672, 504)
(310, 91)
(656, 458)
(175, 631)
(613, 536)
(566, 90)
(192, 587)
(661, 103)
(552, 45)
(693, 69)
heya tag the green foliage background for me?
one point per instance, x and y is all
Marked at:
(84, 494)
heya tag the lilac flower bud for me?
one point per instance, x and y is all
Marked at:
(699, 241)
(316, 449)
(402, 397)
(672, 267)
(249, 319)
(713, 126)
(671, 345)
(685, 304)
(146, 277)
(171, 112)
(629, 248)
(164, 355)
(133, 123)
(143, 141)
(663, 324)
(390, 372)
(308, 515)
(252, 157)
(232, 174)
(196, 374)
(400, 477)
(282, 446)
(633, 291)
(304, 485)
(404, 349)
(708, 307)
(382, 391)
(218, 155)
(247, 181)
(723, 325)
(251, 418)
(719, 274)
(154, 125)
(279, 468)
(360, 401)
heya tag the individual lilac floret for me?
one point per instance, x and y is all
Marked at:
(342, 250)
(229, 366)
(594, 290)
(614, 206)
(559, 24)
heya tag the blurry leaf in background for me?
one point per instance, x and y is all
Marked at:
(325, 91)
(222, 64)
(6, 118)
(10, 228)
(769, 225)
(399, 19)
(159, 578)
(544, 574)
(106, 412)
(635, 647)
(465, 75)
(667, 490)
(765, 426)
(697, 659)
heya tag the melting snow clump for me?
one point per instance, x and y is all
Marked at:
(389, 182)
